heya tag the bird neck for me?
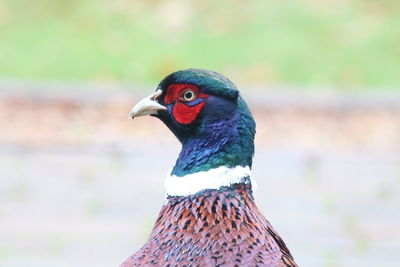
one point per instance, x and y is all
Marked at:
(228, 142)
(219, 155)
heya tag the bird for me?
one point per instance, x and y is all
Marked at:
(210, 217)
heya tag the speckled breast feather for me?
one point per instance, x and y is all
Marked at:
(212, 228)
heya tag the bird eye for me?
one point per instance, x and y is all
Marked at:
(188, 95)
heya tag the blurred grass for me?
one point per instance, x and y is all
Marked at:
(353, 43)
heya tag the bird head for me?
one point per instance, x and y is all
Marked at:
(206, 113)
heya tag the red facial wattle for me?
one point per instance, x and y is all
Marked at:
(183, 111)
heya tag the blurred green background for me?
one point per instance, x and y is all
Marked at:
(337, 44)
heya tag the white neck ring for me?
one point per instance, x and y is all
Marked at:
(212, 179)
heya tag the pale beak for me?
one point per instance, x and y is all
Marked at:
(147, 106)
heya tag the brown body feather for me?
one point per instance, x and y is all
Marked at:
(212, 228)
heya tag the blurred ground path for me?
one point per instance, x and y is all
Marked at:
(81, 185)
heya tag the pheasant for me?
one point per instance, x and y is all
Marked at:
(210, 217)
